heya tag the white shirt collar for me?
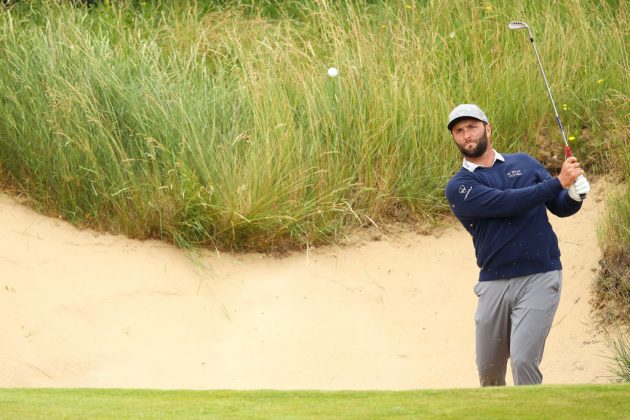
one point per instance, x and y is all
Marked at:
(472, 166)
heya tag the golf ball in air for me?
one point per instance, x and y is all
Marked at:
(333, 72)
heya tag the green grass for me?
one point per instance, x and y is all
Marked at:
(612, 286)
(620, 343)
(214, 123)
(540, 402)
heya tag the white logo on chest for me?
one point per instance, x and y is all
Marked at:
(516, 172)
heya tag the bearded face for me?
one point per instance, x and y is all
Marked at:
(471, 136)
(475, 147)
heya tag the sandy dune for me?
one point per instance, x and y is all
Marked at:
(80, 309)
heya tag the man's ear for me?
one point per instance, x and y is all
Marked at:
(488, 130)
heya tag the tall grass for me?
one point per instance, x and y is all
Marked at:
(619, 341)
(214, 123)
(613, 285)
(612, 291)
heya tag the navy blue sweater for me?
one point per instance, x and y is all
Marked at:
(504, 207)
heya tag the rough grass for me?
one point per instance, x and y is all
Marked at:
(612, 286)
(215, 124)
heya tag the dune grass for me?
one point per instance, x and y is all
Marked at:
(553, 402)
(612, 286)
(619, 340)
(215, 124)
(613, 283)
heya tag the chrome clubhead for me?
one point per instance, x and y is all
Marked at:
(515, 24)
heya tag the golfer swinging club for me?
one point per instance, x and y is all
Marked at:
(502, 201)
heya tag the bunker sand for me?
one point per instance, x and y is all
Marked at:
(81, 309)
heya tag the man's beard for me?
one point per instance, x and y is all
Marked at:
(479, 150)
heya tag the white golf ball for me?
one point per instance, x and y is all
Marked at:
(333, 72)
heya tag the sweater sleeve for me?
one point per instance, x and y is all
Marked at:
(470, 198)
(562, 205)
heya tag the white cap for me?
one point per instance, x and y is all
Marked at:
(465, 111)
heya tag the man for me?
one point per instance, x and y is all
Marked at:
(502, 201)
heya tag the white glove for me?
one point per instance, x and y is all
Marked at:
(579, 188)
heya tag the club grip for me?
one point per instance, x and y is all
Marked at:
(567, 150)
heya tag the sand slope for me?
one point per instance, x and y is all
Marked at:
(80, 309)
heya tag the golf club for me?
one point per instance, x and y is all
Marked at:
(522, 25)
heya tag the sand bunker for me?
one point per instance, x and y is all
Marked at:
(81, 309)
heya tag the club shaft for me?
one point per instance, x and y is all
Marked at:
(567, 149)
(553, 103)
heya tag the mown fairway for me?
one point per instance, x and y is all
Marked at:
(552, 402)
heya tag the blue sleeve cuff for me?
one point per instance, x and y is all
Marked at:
(555, 186)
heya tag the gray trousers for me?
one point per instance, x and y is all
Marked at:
(513, 319)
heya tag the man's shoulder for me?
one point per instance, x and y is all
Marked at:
(463, 173)
(519, 157)
(460, 180)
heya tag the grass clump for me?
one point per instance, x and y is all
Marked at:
(620, 343)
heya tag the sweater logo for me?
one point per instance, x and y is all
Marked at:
(464, 190)
(514, 173)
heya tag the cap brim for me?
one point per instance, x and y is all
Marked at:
(452, 123)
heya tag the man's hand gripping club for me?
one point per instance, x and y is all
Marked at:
(572, 177)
